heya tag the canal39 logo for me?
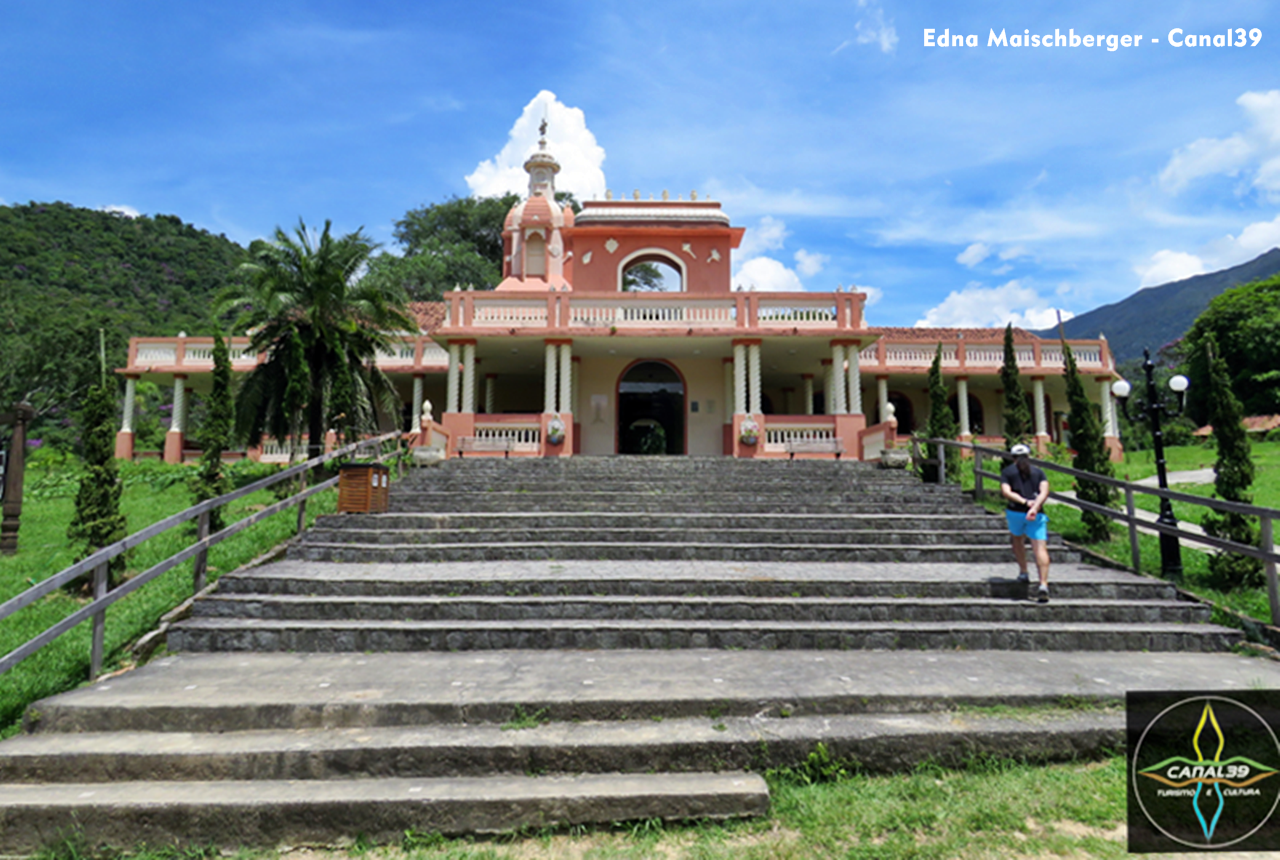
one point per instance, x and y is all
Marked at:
(1204, 771)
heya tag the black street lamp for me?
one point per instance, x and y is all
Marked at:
(1151, 409)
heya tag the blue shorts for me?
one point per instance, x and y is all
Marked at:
(1019, 525)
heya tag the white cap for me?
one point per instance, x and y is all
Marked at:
(1020, 451)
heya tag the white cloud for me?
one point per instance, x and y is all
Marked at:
(768, 235)
(982, 307)
(810, 264)
(767, 275)
(744, 199)
(1002, 270)
(127, 211)
(873, 29)
(1167, 266)
(568, 139)
(1258, 144)
(874, 294)
(973, 255)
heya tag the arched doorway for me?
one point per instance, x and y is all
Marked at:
(651, 406)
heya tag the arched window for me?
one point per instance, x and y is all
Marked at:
(535, 255)
(651, 270)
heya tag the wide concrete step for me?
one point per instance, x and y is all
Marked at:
(659, 505)
(398, 553)
(685, 578)
(585, 607)
(236, 813)
(334, 533)
(649, 484)
(250, 634)
(879, 742)
(777, 522)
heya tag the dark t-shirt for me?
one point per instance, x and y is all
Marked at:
(1028, 487)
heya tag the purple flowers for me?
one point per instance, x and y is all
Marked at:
(35, 443)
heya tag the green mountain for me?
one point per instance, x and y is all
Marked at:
(67, 273)
(1156, 316)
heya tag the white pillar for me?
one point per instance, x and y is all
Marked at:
(962, 400)
(728, 392)
(808, 394)
(178, 421)
(1108, 408)
(840, 407)
(882, 396)
(566, 378)
(130, 394)
(753, 357)
(490, 393)
(828, 390)
(469, 377)
(739, 379)
(575, 370)
(451, 381)
(854, 354)
(1037, 389)
(549, 379)
(415, 421)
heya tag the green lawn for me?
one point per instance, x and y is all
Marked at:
(152, 492)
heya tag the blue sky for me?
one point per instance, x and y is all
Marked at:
(960, 186)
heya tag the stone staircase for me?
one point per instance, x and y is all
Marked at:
(521, 643)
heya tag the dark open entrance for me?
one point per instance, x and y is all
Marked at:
(651, 410)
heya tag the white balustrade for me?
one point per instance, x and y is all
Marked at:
(777, 437)
(274, 451)
(920, 355)
(434, 354)
(148, 354)
(594, 314)
(400, 353)
(525, 438)
(510, 313)
(797, 315)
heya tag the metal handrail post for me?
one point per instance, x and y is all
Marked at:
(1130, 509)
(99, 621)
(200, 564)
(978, 491)
(1266, 543)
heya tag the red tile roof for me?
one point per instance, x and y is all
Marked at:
(430, 315)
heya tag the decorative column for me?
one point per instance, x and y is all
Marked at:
(451, 396)
(788, 395)
(840, 407)
(575, 377)
(1037, 394)
(808, 392)
(124, 439)
(1108, 407)
(566, 379)
(468, 378)
(753, 356)
(728, 391)
(549, 379)
(173, 440)
(962, 400)
(882, 396)
(854, 354)
(415, 421)
(828, 388)
(740, 379)
(490, 392)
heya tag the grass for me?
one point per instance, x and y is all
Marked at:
(991, 809)
(151, 493)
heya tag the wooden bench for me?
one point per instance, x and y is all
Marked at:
(476, 444)
(814, 446)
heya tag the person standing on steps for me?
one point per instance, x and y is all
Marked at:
(1025, 489)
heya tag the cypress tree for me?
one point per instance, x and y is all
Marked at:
(941, 424)
(1091, 451)
(211, 480)
(98, 522)
(1234, 473)
(1017, 418)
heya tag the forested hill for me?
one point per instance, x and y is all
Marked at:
(1155, 316)
(66, 272)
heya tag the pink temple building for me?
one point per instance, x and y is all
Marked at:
(560, 360)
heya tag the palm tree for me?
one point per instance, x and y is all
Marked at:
(321, 325)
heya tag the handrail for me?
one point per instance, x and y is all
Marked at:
(98, 561)
(1266, 553)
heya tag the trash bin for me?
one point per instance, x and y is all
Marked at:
(363, 488)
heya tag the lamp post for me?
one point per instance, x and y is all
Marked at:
(1151, 409)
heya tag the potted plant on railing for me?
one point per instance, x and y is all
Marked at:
(555, 431)
(749, 431)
